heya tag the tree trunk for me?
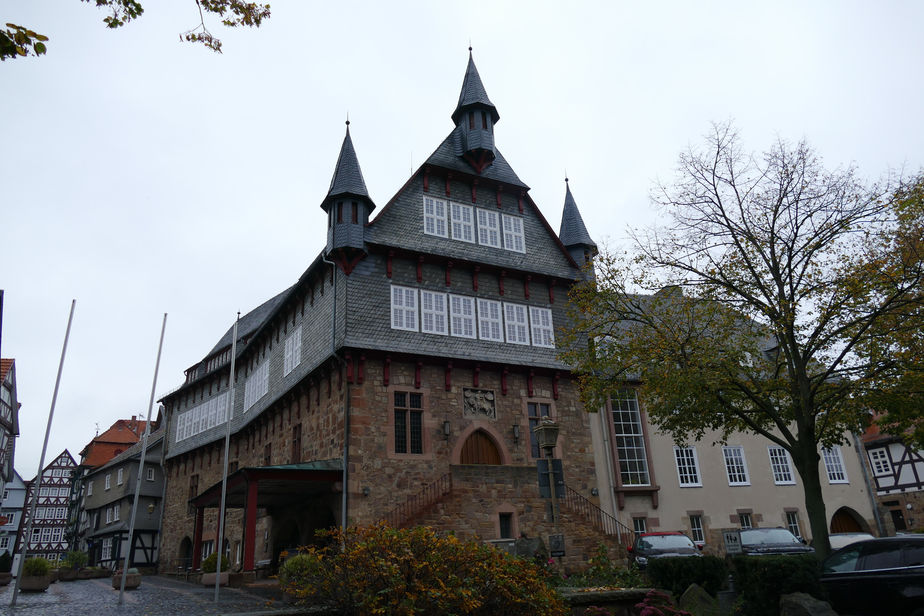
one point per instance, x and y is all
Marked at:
(807, 465)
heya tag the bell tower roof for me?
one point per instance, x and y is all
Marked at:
(348, 177)
(573, 232)
(473, 94)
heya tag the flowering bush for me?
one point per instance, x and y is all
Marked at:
(403, 572)
(657, 603)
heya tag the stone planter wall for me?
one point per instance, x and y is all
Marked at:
(132, 580)
(35, 583)
(208, 579)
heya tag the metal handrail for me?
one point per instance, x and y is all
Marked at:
(598, 518)
(416, 503)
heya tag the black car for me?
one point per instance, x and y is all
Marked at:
(877, 576)
(765, 541)
(661, 545)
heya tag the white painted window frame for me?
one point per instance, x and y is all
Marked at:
(433, 313)
(404, 308)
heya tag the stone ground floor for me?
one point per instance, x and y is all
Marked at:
(157, 596)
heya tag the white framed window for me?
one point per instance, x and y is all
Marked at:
(735, 466)
(204, 416)
(89, 488)
(696, 529)
(256, 386)
(108, 480)
(462, 316)
(687, 467)
(540, 320)
(46, 534)
(115, 513)
(513, 233)
(879, 459)
(744, 520)
(4, 542)
(106, 553)
(60, 513)
(640, 525)
(490, 322)
(119, 477)
(463, 222)
(150, 473)
(433, 313)
(515, 323)
(43, 491)
(629, 439)
(792, 523)
(434, 216)
(834, 465)
(781, 466)
(403, 308)
(292, 352)
(57, 533)
(108, 515)
(488, 228)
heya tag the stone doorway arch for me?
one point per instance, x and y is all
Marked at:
(480, 448)
(846, 520)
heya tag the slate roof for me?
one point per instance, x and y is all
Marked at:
(473, 92)
(573, 232)
(348, 177)
(449, 156)
(251, 321)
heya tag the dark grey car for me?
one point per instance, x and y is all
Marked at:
(760, 541)
(661, 545)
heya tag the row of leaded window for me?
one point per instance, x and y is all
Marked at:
(471, 224)
(469, 317)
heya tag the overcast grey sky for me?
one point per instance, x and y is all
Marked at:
(142, 175)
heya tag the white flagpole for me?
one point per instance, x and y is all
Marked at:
(224, 475)
(144, 448)
(38, 475)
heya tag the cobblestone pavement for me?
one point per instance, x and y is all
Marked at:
(157, 596)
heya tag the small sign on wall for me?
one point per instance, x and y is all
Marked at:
(556, 545)
(732, 541)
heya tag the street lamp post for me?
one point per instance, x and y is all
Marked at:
(547, 435)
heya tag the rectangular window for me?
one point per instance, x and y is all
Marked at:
(403, 308)
(108, 515)
(792, 523)
(4, 543)
(463, 222)
(115, 513)
(408, 422)
(540, 320)
(735, 466)
(488, 229)
(834, 465)
(202, 417)
(687, 467)
(150, 476)
(744, 520)
(513, 233)
(879, 459)
(106, 553)
(781, 466)
(515, 323)
(462, 316)
(293, 352)
(256, 386)
(640, 525)
(434, 214)
(505, 525)
(535, 411)
(433, 313)
(696, 529)
(108, 479)
(489, 320)
(89, 488)
(629, 439)
(119, 477)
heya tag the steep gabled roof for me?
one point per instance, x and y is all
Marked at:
(348, 177)
(573, 232)
(251, 321)
(119, 437)
(5, 365)
(449, 156)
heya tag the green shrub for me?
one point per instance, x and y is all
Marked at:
(761, 580)
(6, 562)
(208, 565)
(603, 571)
(676, 574)
(657, 603)
(38, 567)
(75, 559)
(404, 572)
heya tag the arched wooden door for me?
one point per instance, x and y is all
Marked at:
(844, 522)
(479, 448)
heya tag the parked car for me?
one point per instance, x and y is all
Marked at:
(842, 540)
(660, 545)
(877, 576)
(762, 541)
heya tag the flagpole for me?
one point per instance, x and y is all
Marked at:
(220, 548)
(38, 476)
(144, 449)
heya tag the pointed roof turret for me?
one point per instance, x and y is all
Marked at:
(473, 93)
(573, 233)
(348, 177)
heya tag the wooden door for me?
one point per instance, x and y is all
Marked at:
(479, 449)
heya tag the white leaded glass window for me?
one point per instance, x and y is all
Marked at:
(488, 228)
(293, 352)
(834, 465)
(56, 534)
(115, 513)
(513, 233)
(403, 308)
(46, 534)
(490, 325)
(781, 466)
(434, 214)
(108, 515)
(696, 529)
(540, 320)
(107, 549)
(433, 313)
(462, 316)
(687, 467)
(879, 458)
(629, 439)
(119, 475)
(515, 323)
(744, 519)
(463, 222)
(256, 386)
(108, 479)
(735, 466)
(792, 523)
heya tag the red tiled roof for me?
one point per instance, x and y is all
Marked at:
(123, 434)
(5, 365)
